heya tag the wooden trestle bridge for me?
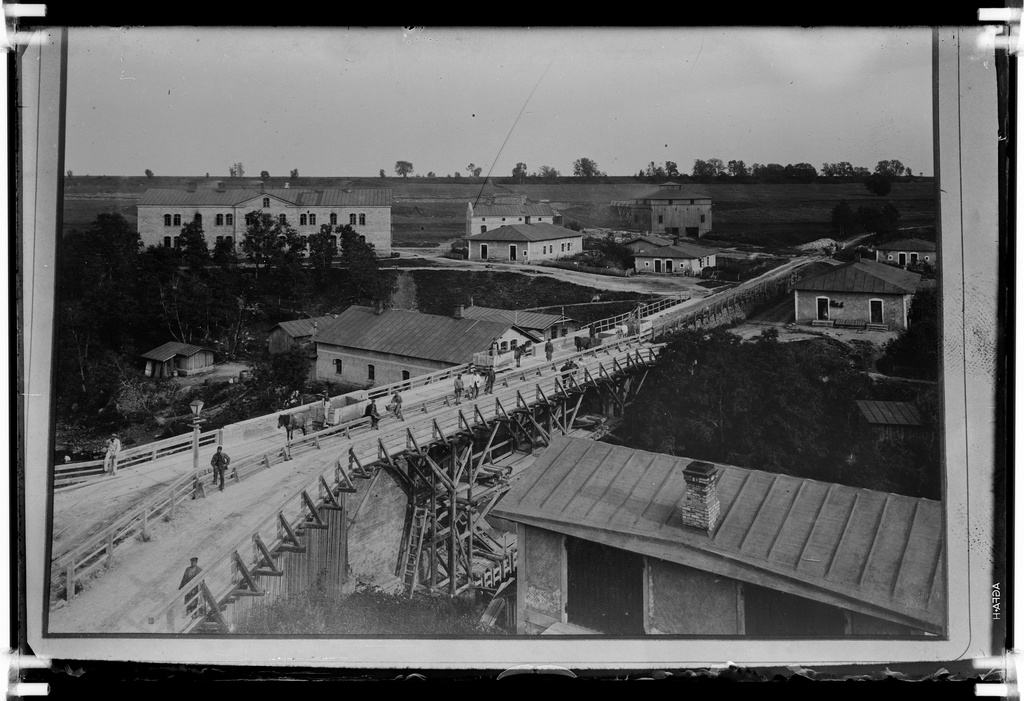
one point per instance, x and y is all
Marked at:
(453, 462)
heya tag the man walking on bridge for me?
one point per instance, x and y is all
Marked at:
(549, 349)
(191, 572)
(459, 387)
(113, 450)
(220, 462)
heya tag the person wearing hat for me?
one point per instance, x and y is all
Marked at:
(219, 462)
(113, 450)
(191, 572)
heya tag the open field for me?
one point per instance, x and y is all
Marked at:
(427, 212)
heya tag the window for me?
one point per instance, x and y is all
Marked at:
(198, 219)
(371, 373)
(520, 218)
(334, 219)
(302, 220)
(229, 219)
(167, 241)
(282, 218)
(177, 243)
(266, 202)
(927, 258)
(177, 220)
(337, 366)
(220, 239)
(312, 220)
(660, 219)
(702, 219)
(503, 218)
(483, 229)
(248, 219)
(405, 374)
(513, 343)
(230, 241)
(504, 346)
(219, 220)
(647, 263)
(483, 218)
(362, 239)
(362, 220)
(352, 219)
(334, 242)
(167, 220)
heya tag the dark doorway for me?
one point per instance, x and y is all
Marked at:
(876, 311)
(902, 259)
(657, 266)
(483, 251)
(668, 266)
(512, 253)
(693, 232)
(605, 588)
(823, 308)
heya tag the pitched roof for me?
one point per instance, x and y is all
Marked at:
(878, 553)
(907, 245)
(411, 334)
(863, 276)
(678, 250)
(653, 240)
(526, 232)
(513, 210)
(171, 349)
(890, 413)
(302, 327)
(327, 197)
(674, 192)
(526, 320)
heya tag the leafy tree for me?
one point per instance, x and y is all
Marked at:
(403, 168)
(431, 174)
(737, 169)
(611, 251)
(223, 255)
(801, 172)
(294, 173)
(70, 174)
(237, 170)
(843, 219)
(548, 174)
(890, 169)
(671, 169)
(277, 376)
(192, 244)
(149, 173)
(878, 184)
(473, 170)
(323, 247)
(382, 173)
(585, 168)
(655, 171)
(264, 175)
(263, 240)
(366, 282)
(883, 222)
(458, 175)
(916, 349)
(519, 173)
(708, 170)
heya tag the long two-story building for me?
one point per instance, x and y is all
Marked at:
(222, 210)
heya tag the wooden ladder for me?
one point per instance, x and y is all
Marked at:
(414, 548)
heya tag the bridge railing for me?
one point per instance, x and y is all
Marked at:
(222, 577)
(645, 310)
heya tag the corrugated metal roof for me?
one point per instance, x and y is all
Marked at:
(302, 327)
(863, 276)
(513, 210)
(527, 232)
(678, 250)
(411, 334)
(169, 350)
(328, 197)
(890, 413)
(528, 320)
(907, 245)
(872, 551)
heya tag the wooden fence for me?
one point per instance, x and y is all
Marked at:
(644, 311)
(720, 310)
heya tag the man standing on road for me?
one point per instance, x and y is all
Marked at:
(113, 450)
(373, 414)
(220, 462)
(459, 386)
(489, 381)
(396, 405)
(519, 356)
(549, 349)
(191, 572)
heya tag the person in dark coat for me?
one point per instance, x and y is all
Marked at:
(371, 411)
(459, 387)
(489, 381)
(549, 349)
(519, 355)
(220, 462)
(192, 596)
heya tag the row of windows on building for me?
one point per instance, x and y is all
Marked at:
(566, 247)
(308, 219)
(175, 241)
(661, 219)
(371, 371)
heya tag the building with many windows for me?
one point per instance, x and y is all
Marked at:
(508, 209)
(221, 211)
(672, 210)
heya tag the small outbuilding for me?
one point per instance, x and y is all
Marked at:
(175, 358)
(894, 420)
(524, 243)
(863, 293)
(545, 326)
(287, 334)
(681, 258)
(907, 252)
(639, 244)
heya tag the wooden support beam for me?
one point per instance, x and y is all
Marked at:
(383, 454)
(499, 409)
(437, 433)
(520, 402)
(247, 576)
(411, 444)
(342, 478)
(463, 425)
(293, 544)
(271, 569)
(315, 521)
(544, 434)
(485, 456)
(213, 609)
(575, 410)
(478, 417)
(331, 501)
(463, 462)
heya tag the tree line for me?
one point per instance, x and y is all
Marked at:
(716, 170)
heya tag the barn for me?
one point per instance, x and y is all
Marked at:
(173, 358)
(614, 540)
(863, 293)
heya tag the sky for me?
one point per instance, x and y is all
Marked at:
(349, 102)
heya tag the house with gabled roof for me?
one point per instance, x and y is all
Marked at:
(682, 257)
(174, 358)
(614, 540)
(546, 326)
(374, 346)
(524, 243)
(287, 334)
(221, 211)
(498, 210)
(906, 252)
(646, 242)
(672, 209)
(864, 293)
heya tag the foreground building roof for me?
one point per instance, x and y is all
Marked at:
(526, 232)
(412, 334)
(170, 350)
(863, 276)
(879, 553)
(302, 327)
(528, 320)
(229, 197)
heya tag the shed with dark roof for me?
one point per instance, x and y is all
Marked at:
(608, 542)
(174, 358)
(367, 345)
(285, 334)
(681, 257)
(544, 325)
(894, 420)
(859, 293)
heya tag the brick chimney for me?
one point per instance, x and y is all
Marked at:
(458, 311)
(220, 186)
(700, 506)
(191, 186)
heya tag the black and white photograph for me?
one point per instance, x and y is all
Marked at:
(480, 347)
